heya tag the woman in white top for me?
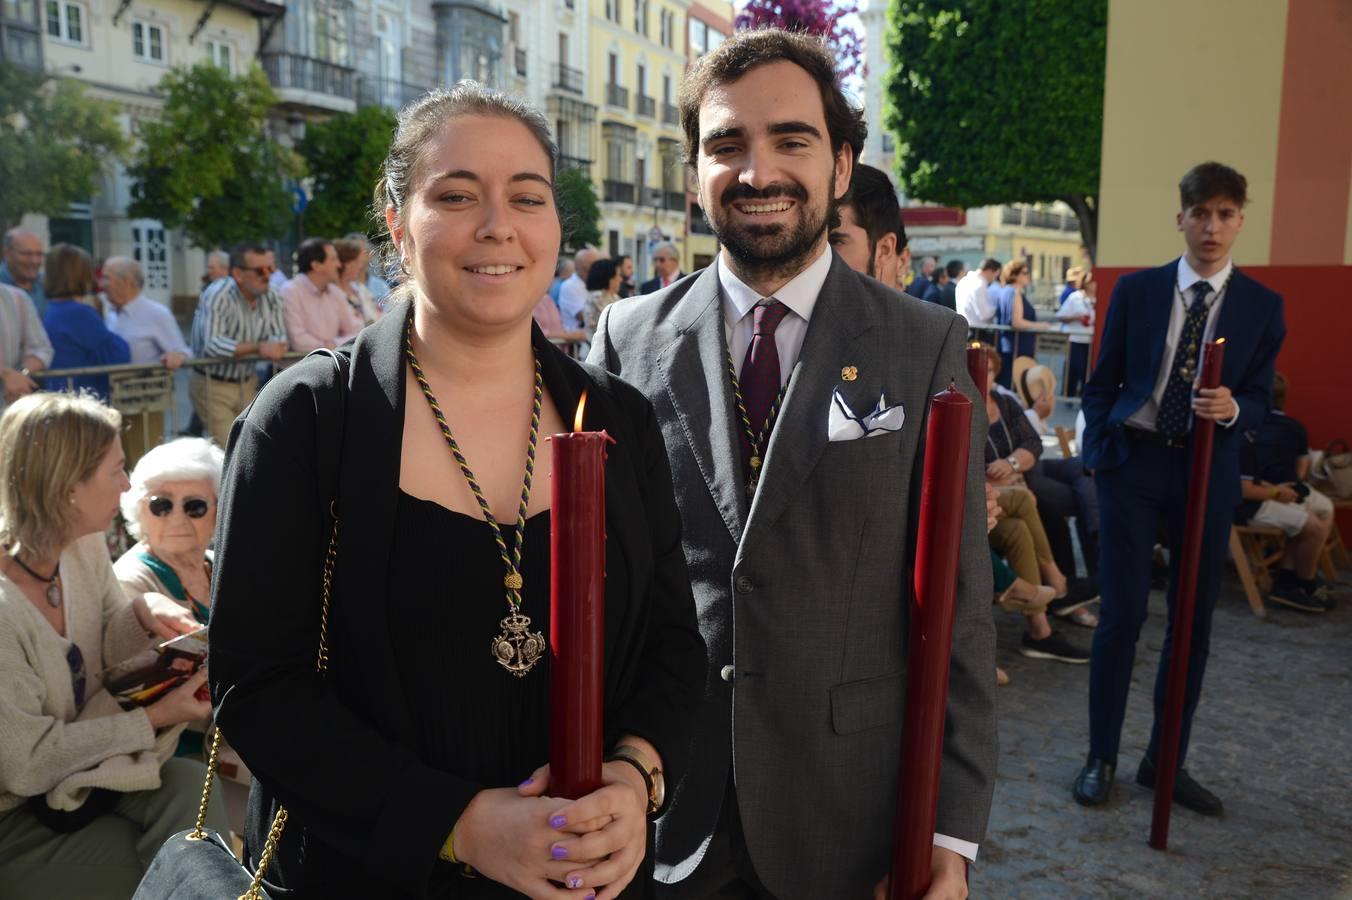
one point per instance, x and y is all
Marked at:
(1078, 310)
(355, 258)
(88, 791)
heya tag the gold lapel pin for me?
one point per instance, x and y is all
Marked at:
(849, 373)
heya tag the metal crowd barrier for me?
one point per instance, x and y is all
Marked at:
(1052, 349)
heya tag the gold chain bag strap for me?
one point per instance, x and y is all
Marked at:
(322, 667)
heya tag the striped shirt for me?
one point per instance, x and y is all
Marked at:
(225, 320)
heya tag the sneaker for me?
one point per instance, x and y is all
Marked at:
(1297, 598)
(1053, 646)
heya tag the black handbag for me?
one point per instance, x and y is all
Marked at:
(199, 864)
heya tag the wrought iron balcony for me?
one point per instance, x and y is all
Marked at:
(568, 78)
(670, 114)
(647, 106)
(520, 59)
(305, 73)
(675, 200)
(617, 96)
(576, 162)
(618, 191)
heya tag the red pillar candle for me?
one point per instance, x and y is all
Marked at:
(1194, 524)
(976, 366)
(577, 635)
(938, 542)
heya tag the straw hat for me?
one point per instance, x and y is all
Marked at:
(1034, 381)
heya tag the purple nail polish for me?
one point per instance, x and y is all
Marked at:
(526, 782)
(558, 821)
(574, 882)
(558, 852)
(591, 896)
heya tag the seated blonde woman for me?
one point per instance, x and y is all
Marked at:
(88, 791)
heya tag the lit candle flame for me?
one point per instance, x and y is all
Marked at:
(577, 419)
(974, 344)
(1220, 340)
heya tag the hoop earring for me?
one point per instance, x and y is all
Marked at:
(403, 265)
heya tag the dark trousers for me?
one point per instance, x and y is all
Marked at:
(1132, 498)
(1064, 491)
(1078, 370)
(725, 872)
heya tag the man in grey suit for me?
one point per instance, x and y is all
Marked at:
(792, 392)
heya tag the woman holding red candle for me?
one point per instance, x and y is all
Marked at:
(421, 757)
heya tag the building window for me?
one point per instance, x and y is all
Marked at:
(221, 55)
(613, 11)
(641, 17)
(65, 21)
(327, 24)
(147, 42)
(699, 37)
(21, 11)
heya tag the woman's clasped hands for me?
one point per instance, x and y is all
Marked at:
(551, 847)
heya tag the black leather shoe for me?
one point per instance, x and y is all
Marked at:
(1187, 792)
(1094, 783)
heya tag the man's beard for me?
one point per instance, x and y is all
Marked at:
(770, 251)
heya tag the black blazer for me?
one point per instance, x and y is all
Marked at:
(653, 285)
(367, 816)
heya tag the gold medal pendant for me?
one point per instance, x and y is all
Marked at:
(517, 649)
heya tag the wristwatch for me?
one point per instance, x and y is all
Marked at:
(1013, 462)
(652, 775)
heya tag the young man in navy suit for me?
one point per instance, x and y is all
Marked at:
(1139, 408)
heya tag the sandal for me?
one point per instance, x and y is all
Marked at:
(1084, 618)
(1010, 602)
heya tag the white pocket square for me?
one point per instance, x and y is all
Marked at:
(844, 425)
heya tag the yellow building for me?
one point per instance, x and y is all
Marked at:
(637, 59)
(710, 23)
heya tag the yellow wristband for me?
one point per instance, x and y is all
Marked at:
(448, 849)
(1275, 492)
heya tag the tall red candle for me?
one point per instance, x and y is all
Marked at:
(577, 635)
(938, 542)
(1194, 523)
(976, 366)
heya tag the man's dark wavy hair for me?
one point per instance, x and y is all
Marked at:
(1208, 180)
(745, 51)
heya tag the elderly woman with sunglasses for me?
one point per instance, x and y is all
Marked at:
(88, 790)
(171, 511)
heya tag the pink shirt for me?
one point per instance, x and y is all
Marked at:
(547, 316)
(317, 319)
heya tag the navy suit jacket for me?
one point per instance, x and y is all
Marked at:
(653, 285)
(1132, 351)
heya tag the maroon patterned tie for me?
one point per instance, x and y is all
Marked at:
(759, 381)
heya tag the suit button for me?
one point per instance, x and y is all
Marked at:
(745, 585)
(728, 674)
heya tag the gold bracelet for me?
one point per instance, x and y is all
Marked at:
(448, 849)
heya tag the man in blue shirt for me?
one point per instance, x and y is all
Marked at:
(22, 267)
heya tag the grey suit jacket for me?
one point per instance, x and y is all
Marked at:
(803, 591)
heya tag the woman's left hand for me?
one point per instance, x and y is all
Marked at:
(608, 826)
(999, 472)
(160, 615)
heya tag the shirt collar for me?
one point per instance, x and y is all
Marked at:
(1187, 277)
(799, 295)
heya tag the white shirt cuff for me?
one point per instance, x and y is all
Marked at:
(965, 849)
(1230, 422)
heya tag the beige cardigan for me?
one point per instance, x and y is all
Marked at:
(46, 745)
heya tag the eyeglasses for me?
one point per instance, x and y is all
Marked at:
(193, 507)
(258, 270)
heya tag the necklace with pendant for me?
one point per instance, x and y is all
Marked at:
(758, 442)
(516, 648)
(53, 581)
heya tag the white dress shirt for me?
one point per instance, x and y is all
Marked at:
(149, 328)
(1145, 416)
(973, 300)
(573, 296)
(1079, 305)
(800, 296)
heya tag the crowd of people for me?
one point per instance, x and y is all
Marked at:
(417, 762)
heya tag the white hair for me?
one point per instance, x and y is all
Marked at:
(182, 459)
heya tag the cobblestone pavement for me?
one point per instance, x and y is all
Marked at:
(1272, 737)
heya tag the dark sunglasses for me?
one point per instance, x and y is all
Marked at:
(193, 507)
(75, 659)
